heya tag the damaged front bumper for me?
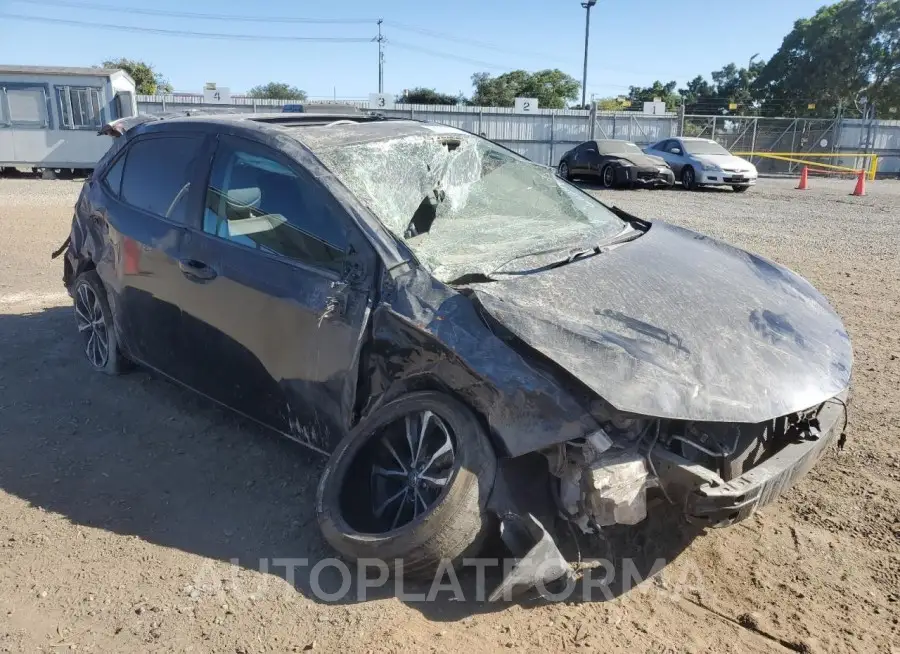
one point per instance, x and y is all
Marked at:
(612, 489)
(708, 500)
(658, 176)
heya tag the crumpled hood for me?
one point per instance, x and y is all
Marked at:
(642, 159)
(678, 325)
(730, 162)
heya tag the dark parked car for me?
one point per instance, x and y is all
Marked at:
(469, 337)
(615, 163)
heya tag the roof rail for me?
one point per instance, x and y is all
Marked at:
(312, 118)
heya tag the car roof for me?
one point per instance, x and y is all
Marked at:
(314, 129)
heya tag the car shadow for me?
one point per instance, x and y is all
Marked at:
(138, 455)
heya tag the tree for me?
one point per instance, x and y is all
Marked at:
(277, 91)
(552, 88)
(846, 51)
(421, 95)
(147, 80)
(665, 92)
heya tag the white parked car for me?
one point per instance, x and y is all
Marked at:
(703, 162)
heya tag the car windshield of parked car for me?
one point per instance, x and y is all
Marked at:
(464, 205)
(618, 147)
(705, 147)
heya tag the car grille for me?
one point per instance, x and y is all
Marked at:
(647, 175)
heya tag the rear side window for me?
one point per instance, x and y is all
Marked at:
(113, 177)
(158, 173)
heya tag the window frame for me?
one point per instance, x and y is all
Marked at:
(117, 193)
(65, 106)
(194, 198)
(9, 123)
(354, 234)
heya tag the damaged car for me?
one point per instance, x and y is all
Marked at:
(477, 345)
(616, 163)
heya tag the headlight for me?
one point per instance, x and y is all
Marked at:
(710, 166)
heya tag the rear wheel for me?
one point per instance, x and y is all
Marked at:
(411, 482)
(94, 322)
(564, 171)
(689, 178)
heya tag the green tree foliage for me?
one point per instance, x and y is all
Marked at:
(552, 88)
(665, 92)
(277, 91)
(846, 51)
(421, 95)
(147, 80)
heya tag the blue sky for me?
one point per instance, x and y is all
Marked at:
(632, 41)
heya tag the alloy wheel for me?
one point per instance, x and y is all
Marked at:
(609, 177)
(564, 170)
(413, 464)
(92, 326)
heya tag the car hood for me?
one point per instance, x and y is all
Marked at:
(641, 159)
(722, 161)
(679, 325)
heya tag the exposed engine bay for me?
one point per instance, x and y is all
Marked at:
(604, 478)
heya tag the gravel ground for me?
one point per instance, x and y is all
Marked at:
(122, 500)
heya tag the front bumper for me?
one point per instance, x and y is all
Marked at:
(647, 176)
(726, 178)
(706, 499)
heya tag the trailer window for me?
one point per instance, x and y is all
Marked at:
(26, 107)
(79, 108)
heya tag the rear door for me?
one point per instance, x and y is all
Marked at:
(280, 285)
(140, 205)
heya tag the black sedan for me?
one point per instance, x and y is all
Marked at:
(616, 163)
(471, 339)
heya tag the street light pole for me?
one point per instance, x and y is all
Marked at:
(587, 31)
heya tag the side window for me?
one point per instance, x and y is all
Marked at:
(79, 108)
(662, 146)
(113, 177)
(158, 172)
(256, 201)
(27, 107)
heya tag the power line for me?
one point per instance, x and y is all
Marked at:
(446, 55)
(202, 35)
(195, 15)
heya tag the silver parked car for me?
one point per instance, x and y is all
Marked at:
(703, 162)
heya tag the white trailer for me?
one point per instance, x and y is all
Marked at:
(50, 116)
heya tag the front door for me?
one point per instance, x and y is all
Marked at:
(280, 297)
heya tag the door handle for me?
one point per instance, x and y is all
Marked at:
(196, 271)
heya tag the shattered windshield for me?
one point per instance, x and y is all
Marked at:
(464, 205)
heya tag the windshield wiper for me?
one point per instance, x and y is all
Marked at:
(574, 255)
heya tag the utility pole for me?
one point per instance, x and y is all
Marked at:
(380, 40)
(587, 31)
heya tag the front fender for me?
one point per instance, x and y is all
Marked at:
(432, 336)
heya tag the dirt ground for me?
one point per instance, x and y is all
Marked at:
(122, 500)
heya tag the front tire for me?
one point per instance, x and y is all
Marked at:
(689, 178)
(564, 171)
(363, 500)
(93, 319)
(608, 176)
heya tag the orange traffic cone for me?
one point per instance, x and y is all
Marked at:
(804, 173)
(860, 184)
